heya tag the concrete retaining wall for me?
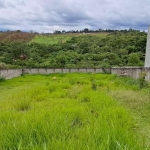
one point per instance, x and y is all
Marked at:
(130, 71)
(8, 74)
(65, 70)
(11, 73)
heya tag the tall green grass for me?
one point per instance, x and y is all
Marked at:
(60, 38)
(51, 39)
(67, 113)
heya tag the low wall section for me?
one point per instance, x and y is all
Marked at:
(11, 73)
(64, 70)
(130, 71)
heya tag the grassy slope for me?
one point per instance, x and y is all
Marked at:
(39, 38)
(60, 38)
(66, 113)
(50, 39)
(16, 37)
(31, 37)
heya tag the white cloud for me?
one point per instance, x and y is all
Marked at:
(50, 15)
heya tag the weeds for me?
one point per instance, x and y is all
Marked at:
(52, 88)
(85, 99)
(22, 105)
(142, 81)
(93, 84)
(69, 115)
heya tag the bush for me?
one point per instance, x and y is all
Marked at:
(3, 66)
(2, 79)
(93, 84)
(22, 105)
(134, 60)
(142, 81)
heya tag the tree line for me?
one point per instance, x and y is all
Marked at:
(117, 48)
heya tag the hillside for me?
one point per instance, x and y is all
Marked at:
(72, 50)
(50, 39)
(15, 36)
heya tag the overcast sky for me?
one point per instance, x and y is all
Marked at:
(50, 15)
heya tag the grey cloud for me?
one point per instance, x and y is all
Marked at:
(76, 17)
(49, 15)
(68, 14)
(9, 4)
(2, 4)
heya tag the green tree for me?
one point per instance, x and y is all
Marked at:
(134, 60)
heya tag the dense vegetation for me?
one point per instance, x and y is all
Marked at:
(74, 112)
(78, 50)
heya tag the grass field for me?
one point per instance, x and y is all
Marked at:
(60, 38)
(74, 112)
(51, 39)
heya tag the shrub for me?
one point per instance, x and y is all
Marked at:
(3, 66)
(85, 99)
(142, 81)
(93, 84)
(2, 78)
(22, 105)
